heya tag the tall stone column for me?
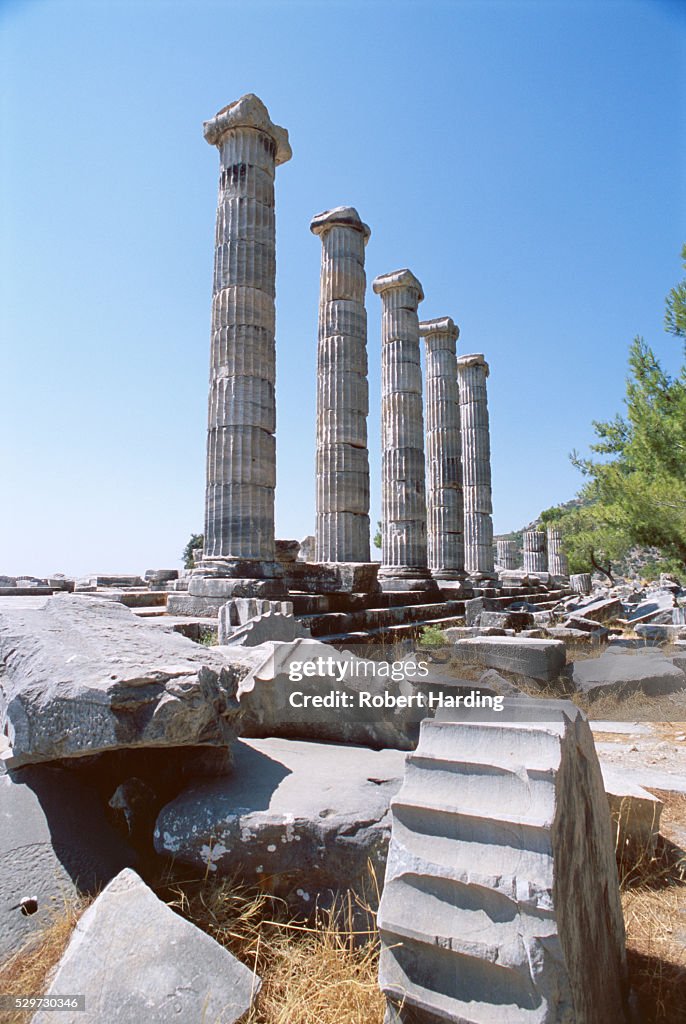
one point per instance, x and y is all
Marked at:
(506, 554)
(403, 487)
(535, 554)
(443, 451)
(241, 446)
(342, 526)
(557, 560)
(476, 467)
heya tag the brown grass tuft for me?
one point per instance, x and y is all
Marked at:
(27, 971)
(654, 904)
(318, 972)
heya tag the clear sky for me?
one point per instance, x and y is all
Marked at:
(524, 159)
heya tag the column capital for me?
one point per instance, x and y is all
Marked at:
(248, 112)
(474, 359)
(397, 279)
(340, 216)
(440, 325)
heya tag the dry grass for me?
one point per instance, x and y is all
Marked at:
(323, 972)
(27, 971)
(654, 904)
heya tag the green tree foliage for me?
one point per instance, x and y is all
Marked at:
(635, 493)
(377, 536)
(196, 541)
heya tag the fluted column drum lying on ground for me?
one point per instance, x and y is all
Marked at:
(476, 466)
(557, 560)
(506, 554)
(241, 448)
(403, 490)
(535, 553)
(342, 527)
(443, 451)
(581, 582)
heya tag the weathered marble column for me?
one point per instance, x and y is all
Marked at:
(557, 560)
(535, 554)
(476, 467)
(342, 527)
(444, 504)
(506, 554)
(403, 487)
(241, 447)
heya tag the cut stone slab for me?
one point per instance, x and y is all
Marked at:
(600, 611)
(332, 577)
(55, 844)
(660, 634)
(635, 816)
(501, 620)
(570, 635)
(136, 961)
(274, 671)
(299, 815)
(617, 674)
(501, 900)
(82, 676)
(585, 625)
(543, 660)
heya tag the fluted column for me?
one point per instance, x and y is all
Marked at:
(506, 554)
(241, 447)
(557, 560)
(342, 526)
(403, 488)
(444, 504)
(535, 554)
(476, 467)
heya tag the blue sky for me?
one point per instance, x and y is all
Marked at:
(525, 160)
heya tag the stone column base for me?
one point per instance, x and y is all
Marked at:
(233, 586)
(408, 577)
(238, 568)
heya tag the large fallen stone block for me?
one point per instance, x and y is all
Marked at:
(501, 900)
(543, 660)
(635, 817)
(660, 634)
(616, 674)
(137, 961)
(83, 675)
(55, 845)
(601, 610)
(328, 684)
(297, 815)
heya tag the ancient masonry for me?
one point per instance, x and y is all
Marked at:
(445, 511)
(535, 552)
(342, 524)
(440, 540)
(403, 488)
(507, 554)
(496, 905)
(476, 467)
(557, 560)
(241, 446)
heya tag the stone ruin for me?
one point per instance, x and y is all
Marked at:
(122, 739)
(436, 528)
